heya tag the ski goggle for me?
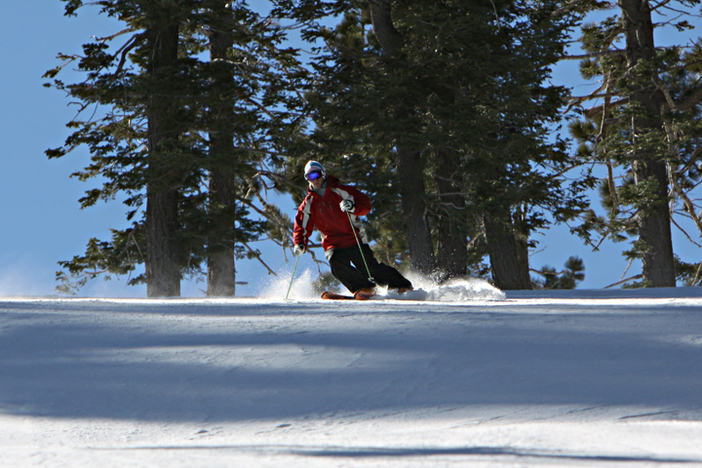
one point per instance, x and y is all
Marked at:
(313, 176)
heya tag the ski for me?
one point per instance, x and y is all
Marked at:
(417, 295)
(336, 297)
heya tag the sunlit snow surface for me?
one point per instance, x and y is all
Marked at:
(462, 375)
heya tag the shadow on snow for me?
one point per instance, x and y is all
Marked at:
(72, 361)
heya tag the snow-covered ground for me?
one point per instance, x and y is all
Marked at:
(471, 378)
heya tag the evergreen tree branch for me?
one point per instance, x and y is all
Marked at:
(689, 102)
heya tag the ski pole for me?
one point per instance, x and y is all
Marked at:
(353, 229)
(292, 277)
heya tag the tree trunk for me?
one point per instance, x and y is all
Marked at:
(221, 268)
(409, 164)
(162, 265)
(504, 252)
(521, 237)
(654, 220)
(658, 266)
(451, 225)
(414, 207)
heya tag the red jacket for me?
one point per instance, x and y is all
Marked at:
(326, 215)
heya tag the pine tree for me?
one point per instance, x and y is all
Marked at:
(185, 138)
(566, 279)
(139, 144)
(440, 111)
(645, 132)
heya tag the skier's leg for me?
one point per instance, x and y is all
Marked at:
(348, 274)
(383, 274)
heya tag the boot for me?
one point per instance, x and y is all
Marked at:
(364, 294)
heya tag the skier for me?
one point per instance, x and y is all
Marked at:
(333, 208)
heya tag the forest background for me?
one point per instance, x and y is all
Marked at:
(44, 224)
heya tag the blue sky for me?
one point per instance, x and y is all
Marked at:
(43, 222)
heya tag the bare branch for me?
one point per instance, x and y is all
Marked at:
(623, 281)
(697, 275)
(684, 232)
(124, 50)
(594, 111)
(258, 257)
(592, 55)
(118, 33)
(686, 200)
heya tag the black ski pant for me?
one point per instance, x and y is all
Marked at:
(347, 266)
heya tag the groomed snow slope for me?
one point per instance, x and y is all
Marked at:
(580, 378)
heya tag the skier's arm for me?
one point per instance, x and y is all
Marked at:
(303, 224)
(362, 203)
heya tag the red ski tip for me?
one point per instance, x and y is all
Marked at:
(336, 297)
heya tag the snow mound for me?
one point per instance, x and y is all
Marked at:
(459, 290)
(464, 290)
(451, 291)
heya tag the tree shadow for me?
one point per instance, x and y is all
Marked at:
(68, 362)
(479, 451)
(411, 452)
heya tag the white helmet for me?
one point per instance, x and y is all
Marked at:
(314, 166)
